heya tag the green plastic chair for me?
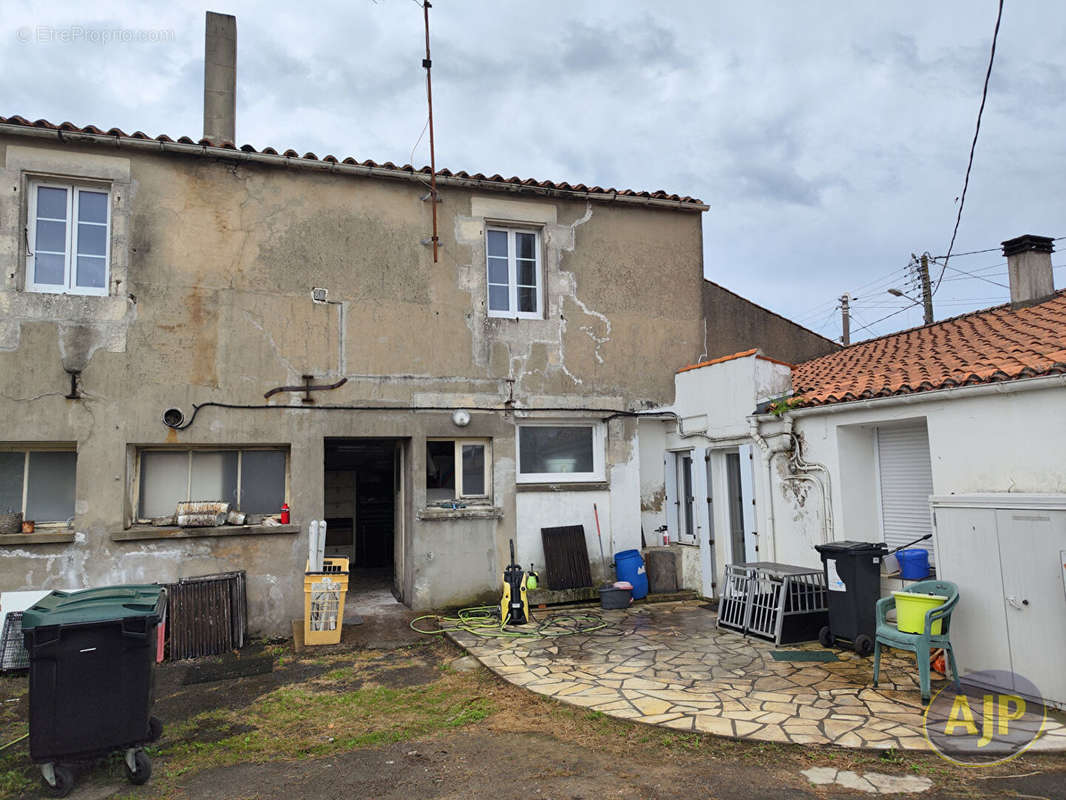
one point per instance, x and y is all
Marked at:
(921, 644)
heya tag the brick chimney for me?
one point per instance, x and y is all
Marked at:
(1029, 268)
(220, 78)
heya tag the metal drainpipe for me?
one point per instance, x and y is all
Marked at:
(797, 464)
(767, 457)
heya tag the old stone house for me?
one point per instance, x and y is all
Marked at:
(164, 304)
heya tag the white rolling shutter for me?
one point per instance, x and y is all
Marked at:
(906, 483)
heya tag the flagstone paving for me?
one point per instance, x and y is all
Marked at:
(667, 664)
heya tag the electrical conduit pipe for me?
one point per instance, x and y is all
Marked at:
(767, 455)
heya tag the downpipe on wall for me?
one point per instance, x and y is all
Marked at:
(767, 455)
(801, 471)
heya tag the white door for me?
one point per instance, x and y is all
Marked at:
(743, 544)
(1031, 547)
(906, 478)
(968, 555)
(672, 504)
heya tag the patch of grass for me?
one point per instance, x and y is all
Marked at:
(14, 782)
(302, 721)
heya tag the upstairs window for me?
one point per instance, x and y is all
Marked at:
(68, 233)
(514, 273)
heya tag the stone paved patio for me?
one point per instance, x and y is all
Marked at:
(669, 665)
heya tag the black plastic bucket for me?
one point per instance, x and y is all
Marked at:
(615, 598)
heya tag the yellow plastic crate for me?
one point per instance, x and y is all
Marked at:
(324, 596)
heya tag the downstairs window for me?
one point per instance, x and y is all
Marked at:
(250, 480)
(458, 469)
(38, 482)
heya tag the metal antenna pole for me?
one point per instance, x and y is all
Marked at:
(428, 64)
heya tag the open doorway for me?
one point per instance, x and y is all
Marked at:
(743, 541)
(363, 487)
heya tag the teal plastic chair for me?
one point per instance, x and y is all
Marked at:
(921, 644)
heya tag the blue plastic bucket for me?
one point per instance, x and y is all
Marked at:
(913, 564)
(629, 566)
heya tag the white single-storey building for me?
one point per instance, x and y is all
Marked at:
(889, 440)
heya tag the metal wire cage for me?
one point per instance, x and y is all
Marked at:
(13, 654)
(733, 609)
(779, 602)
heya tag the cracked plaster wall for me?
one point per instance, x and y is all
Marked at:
(213, 264)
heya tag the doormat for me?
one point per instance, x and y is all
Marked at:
(804, 655)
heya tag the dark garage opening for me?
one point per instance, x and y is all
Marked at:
(360, 486)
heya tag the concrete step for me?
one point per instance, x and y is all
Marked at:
(542, 598)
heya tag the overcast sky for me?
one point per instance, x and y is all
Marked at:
(829, 138)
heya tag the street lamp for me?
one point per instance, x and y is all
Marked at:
(898, 293)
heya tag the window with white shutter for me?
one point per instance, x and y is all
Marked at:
(906, 474)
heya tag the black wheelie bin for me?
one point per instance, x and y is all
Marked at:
(92, 658)
(853, 578)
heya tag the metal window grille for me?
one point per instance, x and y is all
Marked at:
(207, 615)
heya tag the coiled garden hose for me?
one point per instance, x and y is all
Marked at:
(14, 742)
(485, 621)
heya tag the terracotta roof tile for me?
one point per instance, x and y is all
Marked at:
(247, 148)
(997, 344)
(742, 354)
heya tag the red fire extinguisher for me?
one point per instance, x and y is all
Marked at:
(284, 513)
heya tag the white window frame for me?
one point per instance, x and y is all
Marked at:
(599, 440)
(460, 493)
(136, 482)
(39, 448)
(684, 535)
(512, 273)
(73, 189)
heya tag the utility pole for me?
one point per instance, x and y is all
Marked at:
(845, 318)
(927, 290)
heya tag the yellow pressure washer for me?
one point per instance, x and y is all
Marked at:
(514, 604)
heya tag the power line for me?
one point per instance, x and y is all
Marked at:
(883, 281)
(978, 277)
(971, 253)
(988, 250)
(887, 316)
(973, 145)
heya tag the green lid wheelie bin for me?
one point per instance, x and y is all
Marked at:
(92, 658)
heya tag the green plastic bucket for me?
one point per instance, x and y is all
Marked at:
(911, 609)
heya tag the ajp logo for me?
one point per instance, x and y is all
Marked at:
(974, 726)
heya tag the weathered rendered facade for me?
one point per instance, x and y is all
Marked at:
(212, 255)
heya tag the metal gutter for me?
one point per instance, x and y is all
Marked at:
(210, 151)
(931, 395)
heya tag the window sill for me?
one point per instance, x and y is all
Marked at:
(564, 486)
(37, 537)
(148, 532)
(470, 512)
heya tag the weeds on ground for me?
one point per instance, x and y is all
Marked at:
(309, 720)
